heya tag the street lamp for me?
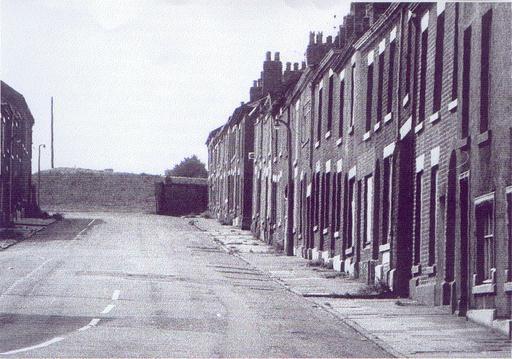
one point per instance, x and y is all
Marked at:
(290, 192)
(39, 173)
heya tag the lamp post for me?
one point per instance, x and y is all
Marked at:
(39, 172)
(290, 192)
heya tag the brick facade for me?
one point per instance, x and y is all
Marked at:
(400, 152)
(16, 192)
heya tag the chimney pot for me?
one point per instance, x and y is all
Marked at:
(276, 56)
(288, 66)
(329, 39)
(303, 65)
(268, 56)
(254, 83)
(311, 38)
(319, 37)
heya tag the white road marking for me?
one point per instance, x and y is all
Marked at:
(91, 324)
(108, 308)
(115, 296)
(25, 277)
(94, 322)
(83, 230)
(42, 345)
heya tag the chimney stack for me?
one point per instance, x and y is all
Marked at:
(272, 75)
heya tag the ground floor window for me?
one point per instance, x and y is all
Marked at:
(509, 215)
(486, 246)
(368, 209)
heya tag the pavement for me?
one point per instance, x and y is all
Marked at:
(403, 327)
(23, 228)
(141, 285)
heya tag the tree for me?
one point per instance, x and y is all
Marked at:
(189, 167)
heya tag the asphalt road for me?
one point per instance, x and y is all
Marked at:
(141, 285)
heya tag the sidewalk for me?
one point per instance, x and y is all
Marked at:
(23, 229)
(403, 327)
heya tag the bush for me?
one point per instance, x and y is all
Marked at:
(58, 216)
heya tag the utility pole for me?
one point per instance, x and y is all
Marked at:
(39, 174)
(53, 164)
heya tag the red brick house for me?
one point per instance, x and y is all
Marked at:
(400, 154)
(16, 190)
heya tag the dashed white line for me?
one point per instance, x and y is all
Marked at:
(91, 324)
(108, 308)
(41, 345)
(115, 296)
(83, 230)
(8, 290)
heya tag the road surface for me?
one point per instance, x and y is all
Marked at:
(132, 285)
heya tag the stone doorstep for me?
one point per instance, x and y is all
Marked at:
(487, 317)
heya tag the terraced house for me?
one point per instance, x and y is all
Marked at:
(17, 195)
(389, 154)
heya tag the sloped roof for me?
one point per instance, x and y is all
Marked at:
(17, 101)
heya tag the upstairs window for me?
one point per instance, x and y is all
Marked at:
(423, 66)
(352, 84)
(466, 66)
(455, 53)
(438, 62)
(319, 123)
(369, 97)
(484, 71)
(342, 108)
(380, 84)
(392, 50)
(329, 103)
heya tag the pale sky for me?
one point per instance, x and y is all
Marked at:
(138, 84)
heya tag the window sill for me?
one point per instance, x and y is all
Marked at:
(325, 231)
(336, 234)
(338, 142)
(463, 143)
(484, 138)
(452, 106)
(434, 117)
(486, 288)
(384, 247)
(274, 160)
(349, 251)
(416, 270)
(418, 128)
(507, 287)
(317, 144)
(299, 236)
(430, 270)
(376, 127)
(327, 135)
(315, 229)
(367, 136)
(367, 246)
(388, 117)
(405, 101)
(351, 130)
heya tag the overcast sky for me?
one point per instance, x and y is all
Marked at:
(138, 84)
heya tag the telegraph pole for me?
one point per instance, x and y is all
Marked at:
(53, 165)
